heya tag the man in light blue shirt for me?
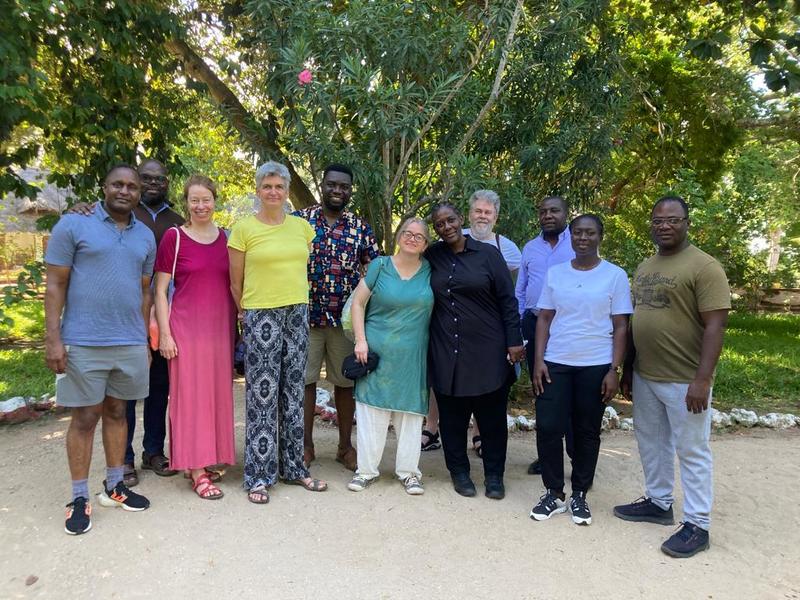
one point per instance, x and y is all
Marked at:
(551, 247)
(96, 303)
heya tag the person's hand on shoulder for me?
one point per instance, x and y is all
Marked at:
(81, 208)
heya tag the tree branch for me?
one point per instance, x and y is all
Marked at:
(498, 79)
(262, 140)
(403, 163)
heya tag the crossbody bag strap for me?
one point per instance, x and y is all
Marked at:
(174, 263)
(177, 247)
(497, 241)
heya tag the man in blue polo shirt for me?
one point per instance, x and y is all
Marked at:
(96, 302)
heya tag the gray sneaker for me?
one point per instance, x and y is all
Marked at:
(413, 485)
(359, 483)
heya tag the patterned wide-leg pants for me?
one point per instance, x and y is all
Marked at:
(276, 341)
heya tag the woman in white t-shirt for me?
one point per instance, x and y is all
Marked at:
(580, 344)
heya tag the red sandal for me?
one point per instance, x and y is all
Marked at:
(205, 489)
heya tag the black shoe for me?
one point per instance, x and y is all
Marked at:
(687, 541)
(463, 485)
(121, 496)
(581, 515)
(495, 488)
(535, 468)
(549, 504)
(79, 516)
(644, 510)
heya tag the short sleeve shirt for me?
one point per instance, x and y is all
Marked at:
(507, 248)
(275, 259)
(107, 264)
(537, 257)
(669, 293)
(334, 268)
(581, 334)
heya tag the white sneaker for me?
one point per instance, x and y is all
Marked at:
(413, 485)
(359, 483)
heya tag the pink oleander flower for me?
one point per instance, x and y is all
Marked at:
(304, 77)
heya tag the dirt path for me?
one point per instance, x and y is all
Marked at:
(382, 543)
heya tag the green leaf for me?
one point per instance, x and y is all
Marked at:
(760, 52)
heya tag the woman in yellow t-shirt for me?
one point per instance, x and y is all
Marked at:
(269, 281)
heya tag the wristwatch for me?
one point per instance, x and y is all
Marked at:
(617, 369)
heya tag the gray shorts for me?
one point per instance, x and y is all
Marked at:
(94, 372)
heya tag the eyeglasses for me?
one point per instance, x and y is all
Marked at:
(410, 235)
(672, 221)
(160, 179)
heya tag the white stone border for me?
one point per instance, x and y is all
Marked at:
(738, 417)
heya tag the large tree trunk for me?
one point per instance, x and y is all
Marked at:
(261, 139)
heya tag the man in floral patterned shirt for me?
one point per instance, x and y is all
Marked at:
(343, 245)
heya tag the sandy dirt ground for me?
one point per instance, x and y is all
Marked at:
(382, 543)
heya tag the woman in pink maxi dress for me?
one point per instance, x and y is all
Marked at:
(196, 335)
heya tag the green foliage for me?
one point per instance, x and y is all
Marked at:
(23, 373)
(760, 364)
(94, 80)
(28, 322)
(25, 288)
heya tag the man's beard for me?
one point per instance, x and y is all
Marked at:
(326, 202)
(156, 200)
(481, 231)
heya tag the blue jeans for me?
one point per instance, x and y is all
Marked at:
(155, 412)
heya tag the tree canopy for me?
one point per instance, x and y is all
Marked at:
(609, 103)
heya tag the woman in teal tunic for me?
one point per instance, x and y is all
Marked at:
(395, 326)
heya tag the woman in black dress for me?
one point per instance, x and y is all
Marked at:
(474, 341)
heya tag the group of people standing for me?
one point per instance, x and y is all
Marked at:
(440, 325)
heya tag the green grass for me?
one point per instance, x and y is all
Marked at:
(22, 368)
(760, 364)
(23, 373)
(28, 325)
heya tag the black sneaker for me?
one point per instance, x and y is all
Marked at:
(581, 514)
(644, 510)
(79, 516)
(535, 468)
(549, 505)
(124, 497)
(687, 541)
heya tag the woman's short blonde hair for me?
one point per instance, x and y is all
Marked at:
(421, 222)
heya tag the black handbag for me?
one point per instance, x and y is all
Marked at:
(352, 369)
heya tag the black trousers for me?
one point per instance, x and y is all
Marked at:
(528, 326)
(573, 399)
(155, 411)
(490, 414)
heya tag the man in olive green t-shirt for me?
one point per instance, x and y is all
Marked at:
(681, 304)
